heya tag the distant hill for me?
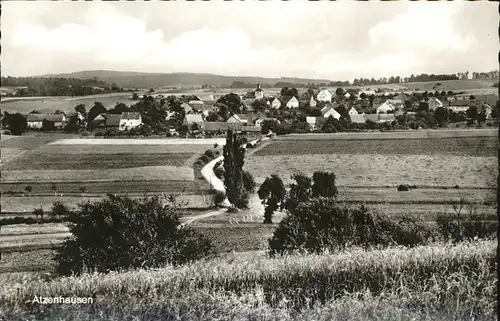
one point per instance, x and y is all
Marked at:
(128, 79)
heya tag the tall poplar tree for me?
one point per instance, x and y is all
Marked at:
(234, 159)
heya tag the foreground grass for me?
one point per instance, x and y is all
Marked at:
(436, 282)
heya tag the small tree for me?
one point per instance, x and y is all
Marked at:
(135, 96)
(54, 188)
(248, 182)
(324, 184)
(59, 209)
(38, 212)
(82, 189)
(300, 191)
(17, 123)
(218, 198)
(128, 233)
(272, 193)
(28, 189)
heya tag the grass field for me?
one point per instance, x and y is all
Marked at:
(435, 282)
(144, 173)
(13, 205)
(56, 161)
(381, 170)
(66, 104)
(467, 146)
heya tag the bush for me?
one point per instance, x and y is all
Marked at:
(323, 224)
(59, 209)
(403, 188)
(29, 220)
(219, 172)
(218, 198)
(204, 159)
(209, 153)
(7, 132)
(248, 182)
(128, 233)
(458, 229)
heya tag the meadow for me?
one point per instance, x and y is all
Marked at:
(65, 104)
(434, 282)
(98, 166)
(17, 205)
(374, 170)
(463, 146)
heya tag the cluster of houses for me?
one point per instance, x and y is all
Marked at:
(123, 121)
(199, 108)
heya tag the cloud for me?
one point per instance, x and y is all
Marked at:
(423, 30)
(335, 41)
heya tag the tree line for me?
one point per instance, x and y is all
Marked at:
(58, 86)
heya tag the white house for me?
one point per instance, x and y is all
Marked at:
(458, 105)
(36, 120)
(434, 103)
(187, 108)
(236, 119)
(314, 122)
(130, 120)
(292, 103)
(191, 119)
(329, 111)
(276, 103)
(195, 103)
(366, 92)
(324, 95)
(259, 93)
(312, 102)
(385, 107)
(352, 111)
(258, 122)
(347, 95)
(396, 103)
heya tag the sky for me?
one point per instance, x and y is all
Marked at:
(339, 40)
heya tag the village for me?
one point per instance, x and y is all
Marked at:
(207, 114)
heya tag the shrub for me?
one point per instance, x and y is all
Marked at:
(209, 153)
(403, 188)
(219, 172)
(323, 224)
(248, 182)
(218, 198)
(204, 159)
(198, 163)
(323, 184)
(59, 209)
(128, 233)
(460, 227)
(38, 212)
(29, 220)
(7, 132)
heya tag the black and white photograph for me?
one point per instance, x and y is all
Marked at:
(249, 160)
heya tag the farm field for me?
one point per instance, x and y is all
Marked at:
(144, 173)
(65, 104)
(374, 170)
(12, 206)
(395, 135)
(467, 146)
(100, 188)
